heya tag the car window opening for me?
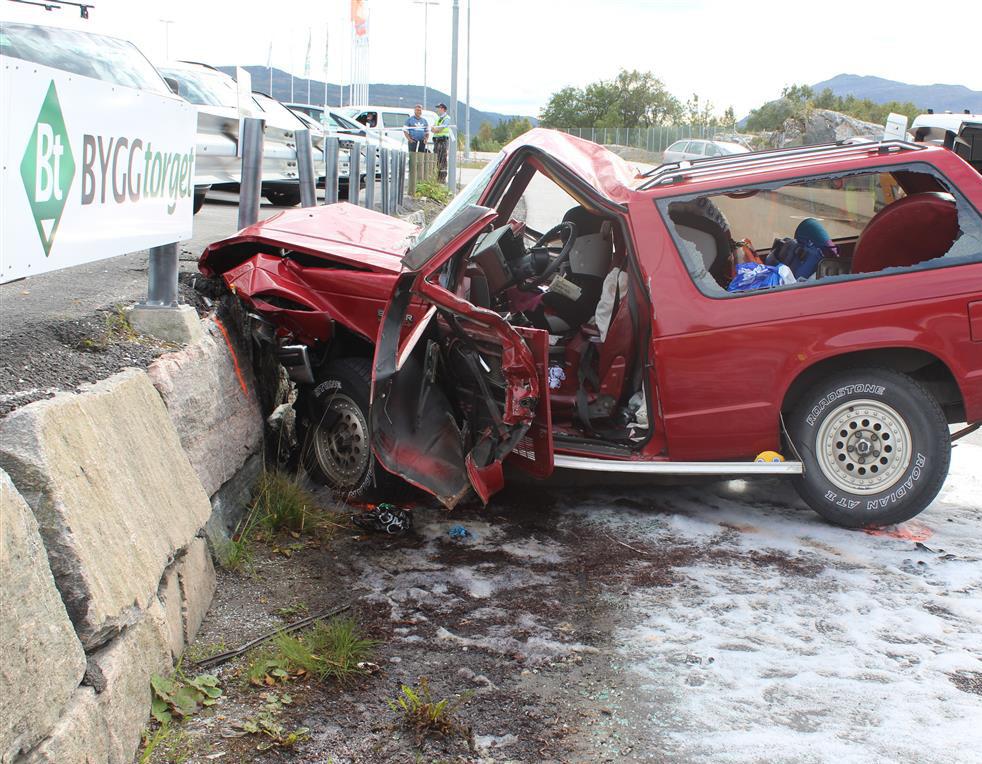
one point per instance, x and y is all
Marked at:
(830, 229)
(571, 278)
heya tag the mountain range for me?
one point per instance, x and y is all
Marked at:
(939, 97)
(380, 94)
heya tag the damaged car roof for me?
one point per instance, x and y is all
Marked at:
(607, 173)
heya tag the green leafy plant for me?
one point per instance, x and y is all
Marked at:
(422, 715)
(180, 696)
(430, 189)
(266, 724)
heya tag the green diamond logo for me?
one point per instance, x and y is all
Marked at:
(48, 169)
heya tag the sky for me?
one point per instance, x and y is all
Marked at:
(731, 54)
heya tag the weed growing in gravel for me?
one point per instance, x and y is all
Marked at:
(171, 745)
(265, 723)
(281, 503)
(196, 653)
(423, 716)
(430, 189)
(330, 650)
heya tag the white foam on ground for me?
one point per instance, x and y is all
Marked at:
(742, 662)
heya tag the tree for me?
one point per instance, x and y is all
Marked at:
(631, 99)
(797, 100)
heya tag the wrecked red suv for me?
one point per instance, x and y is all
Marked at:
(595, 330)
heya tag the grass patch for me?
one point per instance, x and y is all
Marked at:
(281, 503)
(196, 653)
(116, 328)
(423, 716)
(171, 745)
(431, 189)
(329, 650)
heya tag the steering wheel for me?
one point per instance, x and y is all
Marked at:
(540, 254)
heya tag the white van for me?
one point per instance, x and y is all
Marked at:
(389, 119)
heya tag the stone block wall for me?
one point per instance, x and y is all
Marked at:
(108, 498)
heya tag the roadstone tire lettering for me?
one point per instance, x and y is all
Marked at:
(875, 447)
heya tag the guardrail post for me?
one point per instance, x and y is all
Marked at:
(386, 158)
(162, 277)
(354, 175)
(251, 180)
(305, 167)
(370, 177)
(332, 147)
(452, 160)
(403, 159)
(413, 171)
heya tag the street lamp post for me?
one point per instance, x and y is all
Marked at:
(426, 29)
(166, 23)
(467, 112)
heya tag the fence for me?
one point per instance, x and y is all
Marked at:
(652, 140)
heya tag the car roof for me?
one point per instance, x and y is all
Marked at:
(778, 164)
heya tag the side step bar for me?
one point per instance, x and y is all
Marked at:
(677, 468)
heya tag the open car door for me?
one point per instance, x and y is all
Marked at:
(454, 395)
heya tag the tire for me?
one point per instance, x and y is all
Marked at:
(198, 202)
(875, 447)
(335, 442)
(283, 198)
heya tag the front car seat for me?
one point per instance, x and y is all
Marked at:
(589, 262)
(918, 227)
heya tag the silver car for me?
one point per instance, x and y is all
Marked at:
(694, 148)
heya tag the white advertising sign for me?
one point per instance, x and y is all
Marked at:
(90, 169)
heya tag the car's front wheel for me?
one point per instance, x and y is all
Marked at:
(875, 447)
(334, 436)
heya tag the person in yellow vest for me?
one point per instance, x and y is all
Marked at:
(441, 139)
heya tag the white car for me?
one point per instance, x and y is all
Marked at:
(700, 149)
(389, 121)
(221, 105)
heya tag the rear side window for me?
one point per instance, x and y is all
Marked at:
(697, 147)
(678, 146)
(823, 230)
(393, 119)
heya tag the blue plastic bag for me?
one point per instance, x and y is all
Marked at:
(751, 276)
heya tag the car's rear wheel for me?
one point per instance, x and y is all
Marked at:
(332, 422)
(283, 198)
(875, 447)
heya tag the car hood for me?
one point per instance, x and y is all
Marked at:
(340, 232)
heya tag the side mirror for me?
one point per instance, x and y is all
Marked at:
(174, 85)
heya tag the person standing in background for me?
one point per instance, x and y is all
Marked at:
(441, 140)
(416, 130)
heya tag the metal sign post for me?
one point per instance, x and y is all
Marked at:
(452, 160)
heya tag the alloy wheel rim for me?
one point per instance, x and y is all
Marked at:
(863, 447)
(342, 449)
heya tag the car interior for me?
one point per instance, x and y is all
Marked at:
(868, 223)
(573, 281)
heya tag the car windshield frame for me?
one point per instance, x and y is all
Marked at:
(468, 196)
(100, 57)
(207, 88)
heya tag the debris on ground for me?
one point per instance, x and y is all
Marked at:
(459, 532)
(386, 518)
